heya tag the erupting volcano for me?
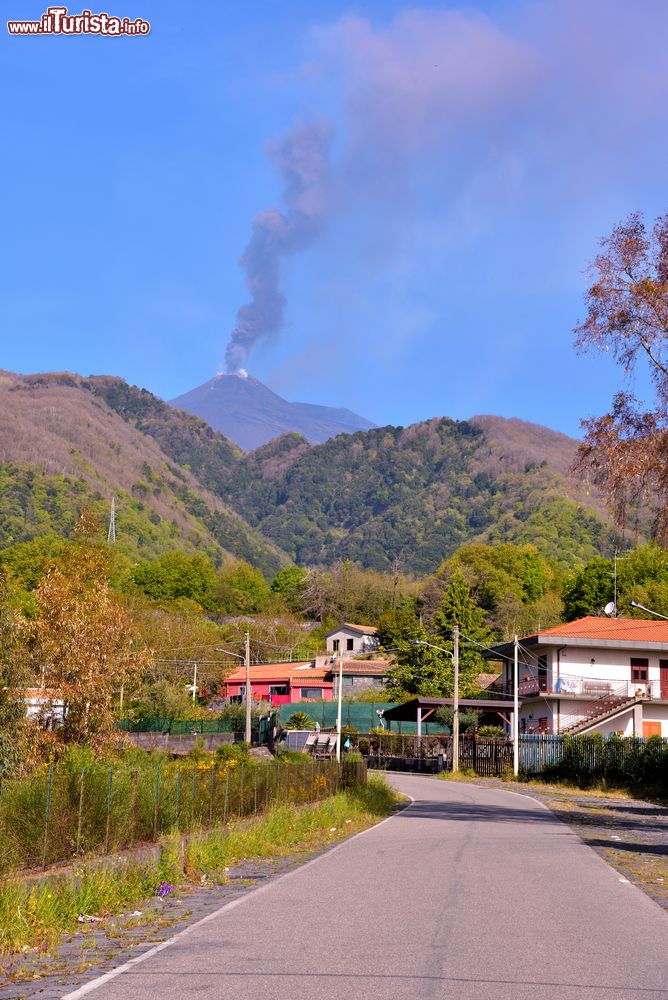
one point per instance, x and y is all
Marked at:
(250, 414)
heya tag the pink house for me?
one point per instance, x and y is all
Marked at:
(281, 683)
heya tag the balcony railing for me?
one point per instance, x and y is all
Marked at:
(588, 687)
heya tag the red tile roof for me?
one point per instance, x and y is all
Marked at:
(277, 671)
(380, 667)
(621, 629)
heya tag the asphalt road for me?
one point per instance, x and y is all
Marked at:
(470, 893)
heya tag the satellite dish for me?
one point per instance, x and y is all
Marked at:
(610, 609)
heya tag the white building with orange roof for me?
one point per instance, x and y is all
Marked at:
(603, 675)
(352, 639)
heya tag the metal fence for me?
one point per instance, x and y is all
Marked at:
(620, 760)
(624, 761)
(362, 715)
(177, 727)
(60, 813)
(199, 727)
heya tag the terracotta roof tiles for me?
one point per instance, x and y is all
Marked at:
(296, 672)
(621, 629)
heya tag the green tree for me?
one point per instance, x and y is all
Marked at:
(459, 607)
(12, 679)
(515, 585)
(240, 589)
(290, 583)
(642, 576)
(589, 589)
(177, 574)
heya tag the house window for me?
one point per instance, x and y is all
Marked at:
(639, 669)
(348, 682)
(311, 692)
(278, 689)
(542, 725)
(335, 645)
(350, 645)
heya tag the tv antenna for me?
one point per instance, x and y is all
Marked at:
(111, 534)
(610, 609)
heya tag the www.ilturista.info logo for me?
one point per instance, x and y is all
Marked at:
(57, 21)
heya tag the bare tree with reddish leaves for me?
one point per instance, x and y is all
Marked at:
(626, 451)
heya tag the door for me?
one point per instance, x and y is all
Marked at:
(651, 728)
(663, 678)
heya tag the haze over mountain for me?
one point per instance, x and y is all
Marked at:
(416, 493)
(250, 414)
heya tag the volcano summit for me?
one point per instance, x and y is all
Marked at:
(250, 414)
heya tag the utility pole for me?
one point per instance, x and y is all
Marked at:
(516, 721)
(194, 681)
(338, 710)
(111, 534)
(614, 596)
(248, 689)
(455, 699)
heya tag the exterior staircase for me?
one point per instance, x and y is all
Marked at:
(598, 711)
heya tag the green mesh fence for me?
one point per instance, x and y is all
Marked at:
(59, 812)
(179, 727)
(360, 714)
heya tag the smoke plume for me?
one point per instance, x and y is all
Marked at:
(302, 157)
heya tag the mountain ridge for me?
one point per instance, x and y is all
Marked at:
(415, 493)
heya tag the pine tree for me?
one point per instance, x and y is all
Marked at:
(460, 607)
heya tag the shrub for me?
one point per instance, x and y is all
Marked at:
(300, 720)
(491, 733)
(294, 757)
(238, 752)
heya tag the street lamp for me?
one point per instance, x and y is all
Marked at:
(455, 699)
(641, 607)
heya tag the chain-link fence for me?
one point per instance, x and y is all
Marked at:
(60, 813)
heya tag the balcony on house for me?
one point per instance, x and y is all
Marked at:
(534, 683)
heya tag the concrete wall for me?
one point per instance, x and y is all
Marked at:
(179, 744)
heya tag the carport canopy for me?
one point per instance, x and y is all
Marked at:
(420, 709)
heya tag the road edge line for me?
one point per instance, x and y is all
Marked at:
(106, 977)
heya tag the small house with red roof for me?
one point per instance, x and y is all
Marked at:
(280, 683)
(603, 675)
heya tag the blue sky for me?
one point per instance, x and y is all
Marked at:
(476, 156)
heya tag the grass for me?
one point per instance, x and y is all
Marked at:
(106, 806)
(36, 915)
(600, 789)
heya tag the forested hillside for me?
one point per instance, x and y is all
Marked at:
(414, 494)
(418, 493)
(63, 448)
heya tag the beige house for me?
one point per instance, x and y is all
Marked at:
(352, 639)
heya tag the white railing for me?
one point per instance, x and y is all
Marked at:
(589, 687)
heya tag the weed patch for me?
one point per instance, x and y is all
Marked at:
(37, 915)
